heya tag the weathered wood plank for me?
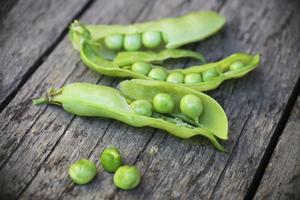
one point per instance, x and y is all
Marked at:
(28, 138)
(37, 152)
(281, 179)
(28, 30)
(270, 31)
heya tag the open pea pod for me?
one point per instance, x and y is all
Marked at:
(210, 75)
(79, 34)
(234, 66)
(91, 100)
(175, 32)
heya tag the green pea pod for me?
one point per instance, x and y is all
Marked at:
(91, 100)
(222, 67)
(79, 34)
(128, 57)
(177, 31)
(91, 56)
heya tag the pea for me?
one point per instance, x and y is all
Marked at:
(191, 106)
(142, 107)
(111, 159)
(192, 78)
(132, 42)
(127, 177)
(209, 74)
(236, 65)
(114, 42)
(175, 77)
(151, 39)
(141, 68)
(82, 171)
(163, 103)
(158, 74)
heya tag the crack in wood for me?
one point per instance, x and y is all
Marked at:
(273, 142)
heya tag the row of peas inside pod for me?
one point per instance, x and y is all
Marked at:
(190, 106)
(135, 41)
(159, 73)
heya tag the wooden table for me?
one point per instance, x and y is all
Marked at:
(38, 143)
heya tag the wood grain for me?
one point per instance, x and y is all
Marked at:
(31, 133)
(38, 143)
(28, 30)
(281, 179)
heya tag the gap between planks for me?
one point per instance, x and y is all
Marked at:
(273, 142)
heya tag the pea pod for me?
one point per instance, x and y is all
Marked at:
(127, 58)
(79, 34)
(85, 99)
(175, 32)
(91, 57)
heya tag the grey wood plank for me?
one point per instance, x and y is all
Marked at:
(36, 161)
(281, 179)
(31, 132)
(28, 30)
(263, 100)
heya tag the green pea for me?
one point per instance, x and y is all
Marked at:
(132, 42)
(236, 65)
(192, 78)
(111, 159)
(82, 171)
(163, 103)
(114, 42)
(158, 74)
(191, 106)
(127, 177)
(151, 39)
(209, 74)
(141, 68)
(142, 107)
(175, 77)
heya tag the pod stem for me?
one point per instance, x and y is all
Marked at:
(47, 99)
(42, 100)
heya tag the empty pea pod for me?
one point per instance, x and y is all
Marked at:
(91, 100)
(168, 33)
(127, 58)
(200, 77)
